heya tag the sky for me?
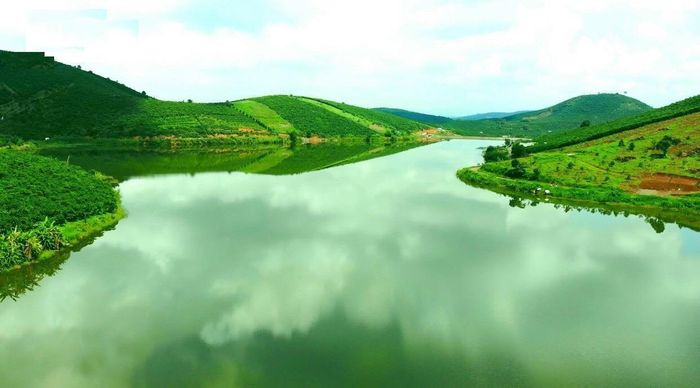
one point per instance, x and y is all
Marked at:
(435, 56)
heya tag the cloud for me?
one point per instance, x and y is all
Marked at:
(448, 57)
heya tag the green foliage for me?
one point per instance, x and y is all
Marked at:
(311, 119)
(34, 187)
(518, 150)
(17, 248)
(585, 124)
(673, 209)
(600, 170)
(415, 116)
(495, 154)
(517, 171)
(665, 143)
(573, 113)
(57, 100)
(264, 115)
(379, 117)
(580, 135)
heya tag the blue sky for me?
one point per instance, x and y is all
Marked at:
(436, 56)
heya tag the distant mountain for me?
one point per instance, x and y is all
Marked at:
(490, 115)
(40, 97)
(592, 109)
(688, 107)
(421, 117)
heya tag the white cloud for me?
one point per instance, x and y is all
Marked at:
(449, 57)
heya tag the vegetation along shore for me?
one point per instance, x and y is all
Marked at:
(646, 162)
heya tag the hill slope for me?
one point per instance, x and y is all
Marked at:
(40, 97)
(490, 115)
(420, 117)
(579, 135)
(653, 166)
(569, 114)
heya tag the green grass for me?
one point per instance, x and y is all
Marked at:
(378, 118)
(609, 169)
(566, 115)
(310, 119)
(352, 117)
(268, 117)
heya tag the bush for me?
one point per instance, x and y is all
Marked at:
(495, 154)
(17, 248)
(34, 187)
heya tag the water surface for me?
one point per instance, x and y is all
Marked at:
(385, 272)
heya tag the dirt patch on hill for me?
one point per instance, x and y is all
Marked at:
(668, 184)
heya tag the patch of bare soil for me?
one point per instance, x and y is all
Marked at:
(668, 184)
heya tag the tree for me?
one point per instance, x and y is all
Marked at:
(518, 150)
(585, 123)
(664, 144)
(495, 154)
(631, 147)
(621, 143)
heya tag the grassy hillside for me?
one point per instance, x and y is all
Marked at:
(384, 121)
(415, 116)
(593, 109)
(489, 115)
(40, 98)
(655, 165)
(578, 135)
(49, 99)
(309, 119)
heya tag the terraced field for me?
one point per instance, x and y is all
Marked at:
(264, 115)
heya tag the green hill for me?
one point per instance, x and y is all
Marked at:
(40, 98)
(579, 135)
(489, 115)
(654, 167)
(593, 109)
(420, 117)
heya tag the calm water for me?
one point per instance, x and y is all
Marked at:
(384, 272)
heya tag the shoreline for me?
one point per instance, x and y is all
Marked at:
(77, 235)
(666, 209)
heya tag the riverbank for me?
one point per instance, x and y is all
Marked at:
(684, 210)
(185, 143)
(654, 169)
(74, 235)
(49, 206)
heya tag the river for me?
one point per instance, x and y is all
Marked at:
(384, 272)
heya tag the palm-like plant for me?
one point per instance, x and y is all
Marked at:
(32, 248)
